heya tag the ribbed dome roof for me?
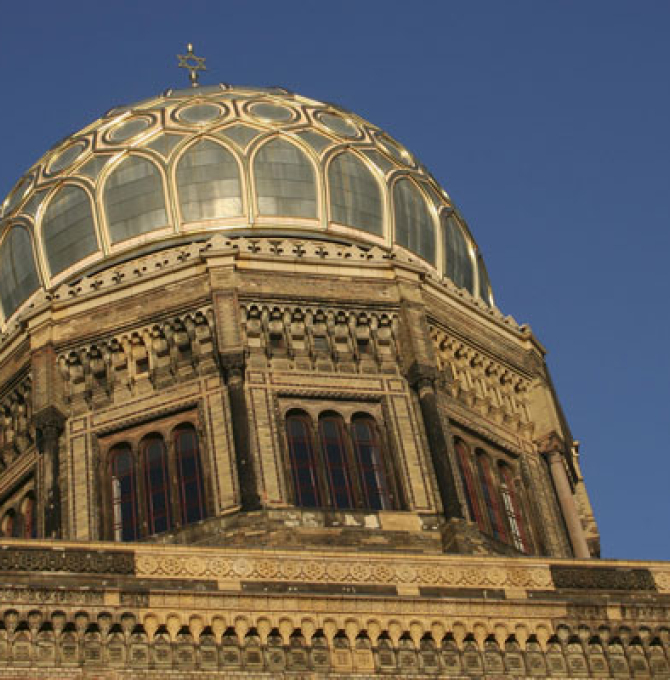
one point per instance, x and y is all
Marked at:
(241, 160)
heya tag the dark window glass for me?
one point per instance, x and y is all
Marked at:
(490, 497)
(331, 432)
(374, 481)
(124, 494)
(154, 457)
(303, 463)
(189, 470)
(469, 486)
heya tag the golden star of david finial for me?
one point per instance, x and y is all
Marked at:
(192, 63)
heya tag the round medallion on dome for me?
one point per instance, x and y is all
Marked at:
(200, 114)
(66, 158)
(394, 149)
(18, 194)
(271, 112)
(129, 129)
(337, 124)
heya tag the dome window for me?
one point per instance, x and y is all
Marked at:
(414, 227)
(134, 199)
(355, 197)
(199, 114)
(484, 283)
(285, 181)
(66, 157)
(129, 129)
(271, 112)
(337, 124)
(457, 261)
(68, 231)
(18, 273)
(208, 182)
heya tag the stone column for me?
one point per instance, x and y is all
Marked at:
(438, 445)
(246, 475)
(567, 502)
(49, 423)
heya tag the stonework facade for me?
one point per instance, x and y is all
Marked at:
(295, 455)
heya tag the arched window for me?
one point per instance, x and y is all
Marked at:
(123, 493)
(457, 261)
(157, 484)
(513, 509)
(68, 231)
(18, 273)
(303, 461)
(332, 435)
(285, 181)
(208, 182)
(189, 474)
(414, 227)
(373, 477)
(355, 196)
(134, 199)
(490, 496)
(469, 486)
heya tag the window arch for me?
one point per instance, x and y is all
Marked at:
(469, 485)
(414, 226)
(123, 493)
(355, 195)
(285, 180)
(512, 506)
(303, 460)
(189, 474)
(332, 436)
(490, 496)
(208, 182)
(373, 475)
(134, 199)
(18, 271)
(457, 261)
(157, 484)
(68, 230)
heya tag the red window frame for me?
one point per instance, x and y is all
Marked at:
(123, 493)
(517, 516)
(370, 458)
(189, 474)
(490, 495)
(470, 488)
(333, 436)
(303, 460)
(157, 483)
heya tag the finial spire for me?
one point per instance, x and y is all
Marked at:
(192, 63)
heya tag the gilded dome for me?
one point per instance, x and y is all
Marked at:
(244, 161)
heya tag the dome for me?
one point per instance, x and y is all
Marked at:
(244, 161)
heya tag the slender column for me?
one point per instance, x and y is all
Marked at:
(437, 443)
(568, 505)
(49, 425)
(246, 475)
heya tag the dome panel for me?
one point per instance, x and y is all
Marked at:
(18, 272)
(134, 199)
(208, 183)
(285, 181)
(129, 129)
(457, 260)
(66, 157)
(355, 197)
(414, 226)
(68, 231)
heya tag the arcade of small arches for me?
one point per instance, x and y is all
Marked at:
(266, 645)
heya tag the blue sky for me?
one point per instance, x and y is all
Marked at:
(546, 121)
